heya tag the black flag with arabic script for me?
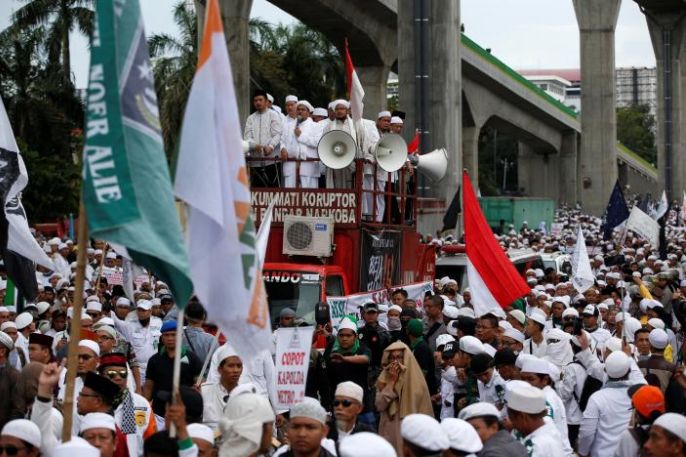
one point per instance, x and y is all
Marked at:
(19, 249)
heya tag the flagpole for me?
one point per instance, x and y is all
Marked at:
(176, 376)
(102, 265)
(208, 357)
(75, 330)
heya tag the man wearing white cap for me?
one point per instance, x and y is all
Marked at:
(89, 357)
(497, 442)
(143, 333)
(656, 368)
(347, 406)
(61, 263)
(290, 149)
(535, 326)
(76, 446)
(203, 438)
(306, 430)
(608, 411)
(247, 426)
(462, 437)
(366, 444)
(667, 436)
(526, 409)
(590, 316)
(396, 125)
(100, 430)
(17, 357)
(216, 394)
(263, 127)
(307, 135)
(383, 122)
(423, 436)
(20, 437)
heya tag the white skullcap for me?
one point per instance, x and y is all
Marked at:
(589, 310)
(225, 351)
(518, 315)
(564, 299)
(106, 321)
(3, 309)
(98, 252)
(123, 301)
(570, 312)
(144, 305)
(24, 430)
(309, 408)
(351, 390)
(54, 241)
(535, 365)
(201, 432)
(365, 444)
(76, 446)
(617, 364)
(340, 101)
(395, 308)
(658, 338)
(98, 420)
(320, 112)
(461, 435)
(490, 350)
(619, 317)
(111, 255)
(524, 397)
(479, 409)
(107, 329)
(270, 97)
(307, 105)
(23, 320)
(443, 339)
(6, 325)
(92, 345)
(346, 322)
(613, 344)
(603, 305)
(466, 311)
(397, 120)
(424, 431)
(654, 304)
(383, 114)
(538, 316)
(549, 286)
(6, 341)
(451, 312)
(514, 334)
(42, 307)
(291, 98)
(471, 345)
(93, 298)
(504, 325)
(94, 306)
(673, 423)
(656, 323)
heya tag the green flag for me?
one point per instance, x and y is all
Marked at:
(126, 189)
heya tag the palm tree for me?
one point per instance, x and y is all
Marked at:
(174, 62)
(61, 17)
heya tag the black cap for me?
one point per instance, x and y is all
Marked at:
(449, 348)
(409, 312)
(480, 363)
(103, 386)
(371, 306)
(259, 92)
(400, 114)
(505, 356)
(465, 324)
(43, 340)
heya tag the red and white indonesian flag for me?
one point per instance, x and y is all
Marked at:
(212, 179)
(493, 281)
(355, 90)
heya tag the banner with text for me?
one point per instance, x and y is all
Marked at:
(644, 226)
(380, 261)
(339, 205)
(341, 306)
(292, 361)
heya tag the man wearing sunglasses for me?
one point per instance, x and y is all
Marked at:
(88, 359)
(134, 414)
(347, 406)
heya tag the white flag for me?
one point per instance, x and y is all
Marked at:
(13, 179)
(582, 276)
(683, 208)
(662, 206)
(644, 226)
(212, 179)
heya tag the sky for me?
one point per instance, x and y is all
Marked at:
(525, 34)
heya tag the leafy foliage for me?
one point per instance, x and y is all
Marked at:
(635, 130)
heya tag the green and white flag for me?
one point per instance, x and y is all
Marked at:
(127, 189)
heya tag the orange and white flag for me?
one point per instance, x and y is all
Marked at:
(212, 179)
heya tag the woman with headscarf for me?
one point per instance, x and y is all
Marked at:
(246, 426)
(401, 390)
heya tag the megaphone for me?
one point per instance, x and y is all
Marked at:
(391, 152)
(434, 164)
(336, 149)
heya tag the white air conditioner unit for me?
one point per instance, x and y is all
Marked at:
(311, 236)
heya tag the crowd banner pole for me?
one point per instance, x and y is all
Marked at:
(75, 330)
(176, 377)
(102, 266)
(206, 364)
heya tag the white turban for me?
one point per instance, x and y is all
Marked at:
(243, 423)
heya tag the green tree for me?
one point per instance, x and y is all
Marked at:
(635, 130)
(61, 17)
(174, 63)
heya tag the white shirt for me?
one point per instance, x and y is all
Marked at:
(494, 391)
(556, 411)
(142, 411)
(606, 416)
(533, 348)
(310, 134)
(545, 441)
(600, 335)
(213, 400)
(289, 143)
(570, 388)
(144, 340)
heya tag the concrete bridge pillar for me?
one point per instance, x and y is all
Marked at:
(373, 81)
(668, 34)
(442, 78)
(569, 152)
(236, 18)
(470, 152)
(597, 20)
